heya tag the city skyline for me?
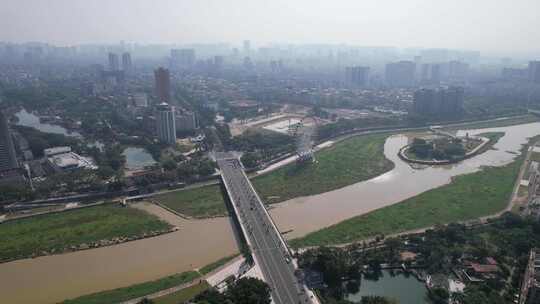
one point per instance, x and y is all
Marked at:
(494, 28)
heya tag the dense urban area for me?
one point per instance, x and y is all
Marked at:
(279, 173)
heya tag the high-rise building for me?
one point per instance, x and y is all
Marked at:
(114, 64)
(218, 61)
(441, 102)
(357, 76)
(458, 69)
(400, 74)
(186, 121)
(425, 72)
(436, 73)
(534, 71)
(247, 47)
(140, 100)
(165, 123)
(126, 62)
(514, 74)
(8, 158)
(183, 57)
(163, 85)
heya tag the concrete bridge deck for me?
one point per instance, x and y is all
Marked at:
(269, 249)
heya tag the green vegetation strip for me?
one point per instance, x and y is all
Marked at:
(135, 291)
(467, 197)
(211, 267)
(511, 121)
(200, 202)
(183, 295)
(350, 161)
(535, 156)
(58, 231)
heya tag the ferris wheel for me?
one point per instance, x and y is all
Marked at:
(305, 132)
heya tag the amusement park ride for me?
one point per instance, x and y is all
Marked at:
(305, 132)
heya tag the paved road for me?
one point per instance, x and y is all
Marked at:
(269, 249)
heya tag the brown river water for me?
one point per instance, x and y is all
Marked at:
(52, 279)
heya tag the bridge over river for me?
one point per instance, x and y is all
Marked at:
(270, 251)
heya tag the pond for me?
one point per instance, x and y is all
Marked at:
(404, 288)
(28, 119)
(137, 158)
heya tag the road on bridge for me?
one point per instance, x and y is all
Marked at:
(267, 246)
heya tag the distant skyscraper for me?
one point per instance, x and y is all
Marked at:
(425, 72)
(457, 69)
(357, 76)
(534, 71)
(126, 62)
(218, 61)
(247, 46)
(163, 85)
(442, 102)
(400, 74)
(436, 73)
(8, 158)
(165, 123)
(183, 57)
(114, 64)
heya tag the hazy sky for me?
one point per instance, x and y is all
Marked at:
(486, 25)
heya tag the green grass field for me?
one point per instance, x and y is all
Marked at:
(135, 291)
(200, 202)
(183, 295)
(467, 197)
(350, 161)
(496, 123)
(22, 238)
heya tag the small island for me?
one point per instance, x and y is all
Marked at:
(442, 148)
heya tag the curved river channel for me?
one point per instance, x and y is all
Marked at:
(52, 279)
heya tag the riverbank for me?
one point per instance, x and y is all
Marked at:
(407, 155)
(205, 202)
(467, 197)
(350, 161)
(77, 229)
(353, 160)
(135, 291)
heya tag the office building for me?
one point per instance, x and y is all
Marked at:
(218, 61)
(400, 74)
(457, 69)
(126, 62)
(425, 72)
(182, 58)
(442, 102)
(534, 71)
(163, 85)
(247, 47)
(357, 76)
(186, 121)
(165, 123)
(140, 99)
(436, 74)
(8, 158)
(114, 64)
(514, 74)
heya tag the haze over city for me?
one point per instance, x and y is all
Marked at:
(269, 152)
(494, 27)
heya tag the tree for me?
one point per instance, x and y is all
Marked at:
(439, 295)
(377, 300)
(243, 291)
